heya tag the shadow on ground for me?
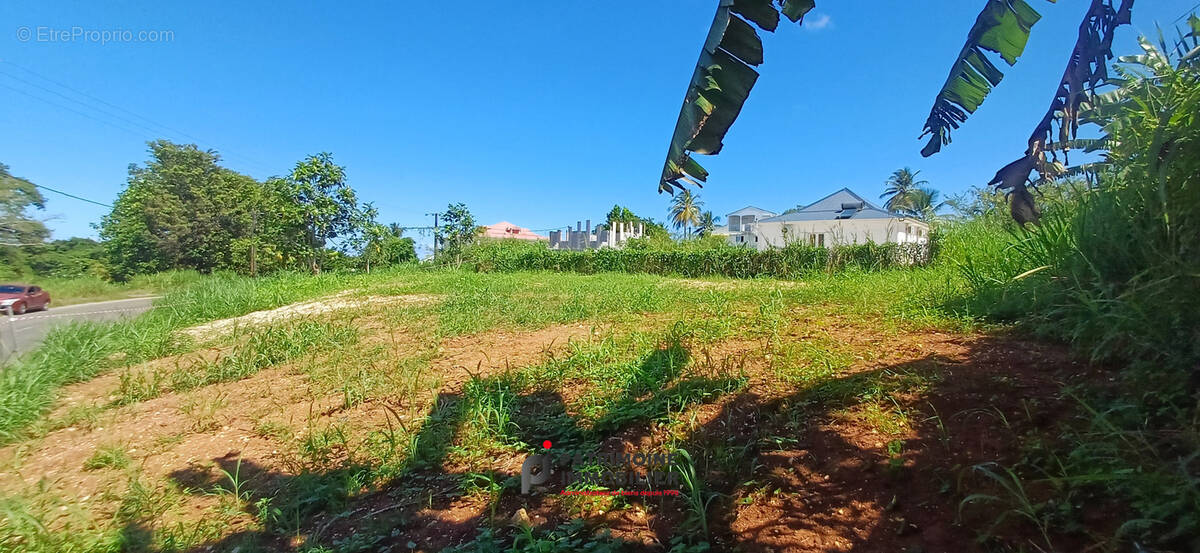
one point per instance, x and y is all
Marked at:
(817, 469)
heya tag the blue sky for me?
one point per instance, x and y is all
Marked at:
(536, 112)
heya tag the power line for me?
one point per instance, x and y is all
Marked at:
(89, 96)
(84, 104)
(1186, 13)
(73, 196)
(226, 152)
(72, 110)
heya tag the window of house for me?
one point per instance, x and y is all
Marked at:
(821, 240)
(756, 238)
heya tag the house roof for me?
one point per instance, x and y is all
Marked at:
(843, 204)
(751, 210)
(505, 229)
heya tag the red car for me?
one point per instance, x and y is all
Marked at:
(21, 298)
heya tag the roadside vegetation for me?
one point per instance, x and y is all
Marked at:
(88, 288)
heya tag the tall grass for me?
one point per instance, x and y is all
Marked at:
(1115, 270)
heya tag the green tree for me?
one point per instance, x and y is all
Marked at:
(182, 210)
(68, 258)
(273, 236)
(456, 231)
(899, 188)
(685, 210)
(17, 197)
(17, 227)
(386, 245)
(976, 202)
(620, 214)
(328, 208)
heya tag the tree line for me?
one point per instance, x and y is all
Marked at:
(183, 210)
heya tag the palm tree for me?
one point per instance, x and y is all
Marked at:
(900, 188)
(922, 203)
(708, 222)
(685, 210)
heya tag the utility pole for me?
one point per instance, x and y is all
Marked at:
(435, 233)
(254, 243)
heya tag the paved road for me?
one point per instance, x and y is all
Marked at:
(28, 330)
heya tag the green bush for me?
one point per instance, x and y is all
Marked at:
(723, 260)
(1114, 268)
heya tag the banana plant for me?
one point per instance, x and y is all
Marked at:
(1140, 81)
(721, 83)
(1003, 28)
(1087, 68)
(725, 74)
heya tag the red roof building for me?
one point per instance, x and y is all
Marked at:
(505, 229)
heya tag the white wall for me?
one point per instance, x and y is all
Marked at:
(833, 233)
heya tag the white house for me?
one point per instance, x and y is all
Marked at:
(742, 224)
(840, 218)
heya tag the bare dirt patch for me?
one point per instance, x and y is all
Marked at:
(344, 300)
(701, 284)
(189, 437)
(826, 474)
(482, 354)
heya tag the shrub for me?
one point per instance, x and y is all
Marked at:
(739, 262)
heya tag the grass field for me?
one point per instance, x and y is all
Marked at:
(834, 413)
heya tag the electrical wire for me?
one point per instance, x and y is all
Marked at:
(153, 131)
(80, 198)
(73, 110)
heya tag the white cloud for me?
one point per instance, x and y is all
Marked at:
(816, 23)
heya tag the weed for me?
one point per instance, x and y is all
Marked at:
(204, 410)
(321, 447)
(695, 495)
(273, 429)
(108, 457)
(489, 484)
(235, 483)
(1015, 501)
